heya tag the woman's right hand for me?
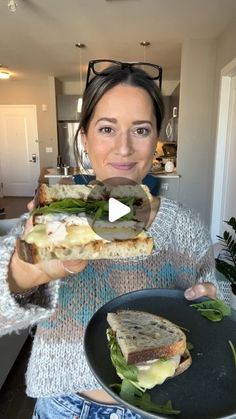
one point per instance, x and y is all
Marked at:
(23, 275)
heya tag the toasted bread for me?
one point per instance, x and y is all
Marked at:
(144, 336)
(48, 194)
(185, 362)
(62, 235)
(93, 250)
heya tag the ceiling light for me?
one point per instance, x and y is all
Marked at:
(4, 72)
(80, 100)
(12, 5)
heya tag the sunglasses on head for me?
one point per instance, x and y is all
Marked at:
(100, 68)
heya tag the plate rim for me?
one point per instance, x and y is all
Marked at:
(163, 292)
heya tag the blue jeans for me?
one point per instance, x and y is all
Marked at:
(77, 407)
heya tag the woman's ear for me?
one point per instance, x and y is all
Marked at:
(83, 139)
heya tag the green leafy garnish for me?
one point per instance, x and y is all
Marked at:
(129, 390)
(123, 369)
(98, 209)
(134, 396)
(213, 310)
(233, 351)
(190, 346)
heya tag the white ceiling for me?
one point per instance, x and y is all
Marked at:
(38, 39)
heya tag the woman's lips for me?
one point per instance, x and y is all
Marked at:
(123, 166)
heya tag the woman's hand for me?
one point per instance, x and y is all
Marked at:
(205, 289)
(23, 276)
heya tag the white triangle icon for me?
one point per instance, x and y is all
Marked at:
(116, 209)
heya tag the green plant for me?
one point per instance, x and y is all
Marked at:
(226, 261)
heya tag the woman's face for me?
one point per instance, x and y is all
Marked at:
(122, 134)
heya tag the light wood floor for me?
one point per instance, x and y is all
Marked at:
(14, 206)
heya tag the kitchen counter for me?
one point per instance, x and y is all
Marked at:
(163, 174)
(52, 175)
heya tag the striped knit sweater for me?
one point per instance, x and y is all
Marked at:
(62, 309)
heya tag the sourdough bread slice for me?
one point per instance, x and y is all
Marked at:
(48, 194)
(185, 362)
(98, 249)
(144, 336)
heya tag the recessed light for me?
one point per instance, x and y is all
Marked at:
(4, 72)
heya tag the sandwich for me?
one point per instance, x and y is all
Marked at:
(71, 222)
(146, 349)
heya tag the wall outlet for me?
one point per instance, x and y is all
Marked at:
(48, 149)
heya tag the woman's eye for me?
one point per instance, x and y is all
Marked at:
(142, 131)
(106, 130)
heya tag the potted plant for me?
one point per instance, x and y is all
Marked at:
(226, 260)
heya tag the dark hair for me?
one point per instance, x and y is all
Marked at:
(101, 84)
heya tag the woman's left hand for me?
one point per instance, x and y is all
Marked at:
(206, 289)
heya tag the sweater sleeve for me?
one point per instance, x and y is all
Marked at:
(14, 315)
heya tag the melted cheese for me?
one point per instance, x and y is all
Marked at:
(46, 235)
(156, 373)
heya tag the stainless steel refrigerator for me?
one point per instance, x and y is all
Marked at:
(66, 137)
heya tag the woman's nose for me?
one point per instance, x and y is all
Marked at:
(124, 145)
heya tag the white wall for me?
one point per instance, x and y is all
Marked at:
(72, 87)
(195, 135)
(36, 92)
(226, 58)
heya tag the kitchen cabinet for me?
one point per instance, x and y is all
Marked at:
(67, 108)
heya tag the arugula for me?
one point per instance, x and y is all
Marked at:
(123, 369)
(129, 390)
(97, 208)
(190, 346)
(233, 351)
(213, 310)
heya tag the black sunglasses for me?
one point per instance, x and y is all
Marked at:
(99, 68)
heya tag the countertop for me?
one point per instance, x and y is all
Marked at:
(53, 174)
(163, 174)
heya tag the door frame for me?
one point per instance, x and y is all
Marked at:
(34, 109)
(222, 144)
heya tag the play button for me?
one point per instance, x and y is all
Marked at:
(119, 209)
(116, 210)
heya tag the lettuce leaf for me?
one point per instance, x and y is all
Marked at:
(213, 310)
(129, 390)
(98, 209)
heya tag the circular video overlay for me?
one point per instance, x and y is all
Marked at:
(118, 209)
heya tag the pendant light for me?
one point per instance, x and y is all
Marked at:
(145, 45)
(80, 100)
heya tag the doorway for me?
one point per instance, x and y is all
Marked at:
(224, 192)
(19, 150)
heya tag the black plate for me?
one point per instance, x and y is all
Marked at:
(207, 390)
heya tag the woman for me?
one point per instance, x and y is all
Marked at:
(121, 120)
